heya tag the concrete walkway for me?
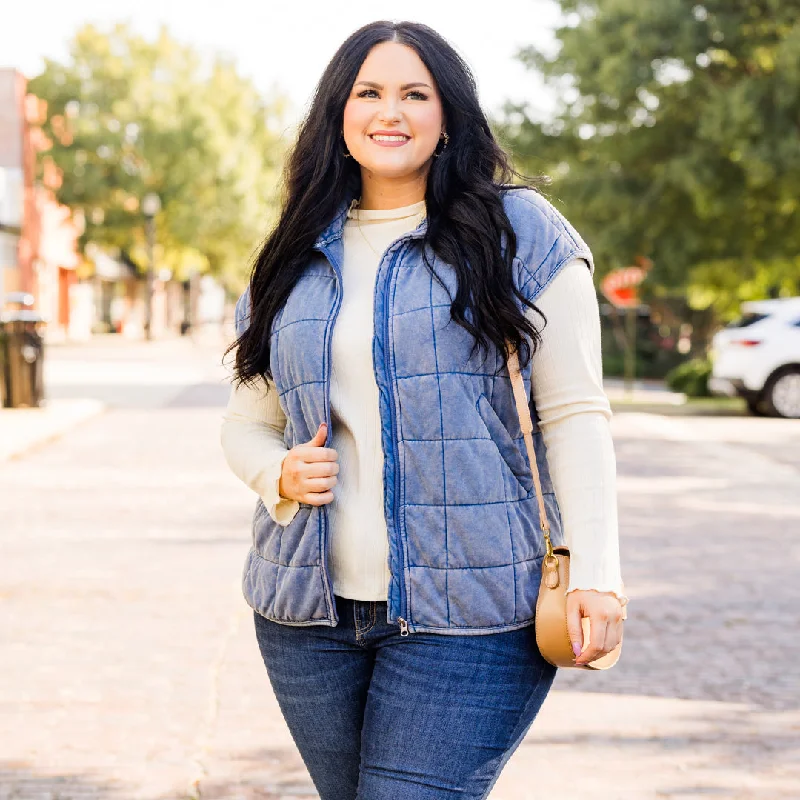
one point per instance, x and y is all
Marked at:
(22, 429)
(129, 668)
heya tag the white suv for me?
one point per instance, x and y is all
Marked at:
(758, 357)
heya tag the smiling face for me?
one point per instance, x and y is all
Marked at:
(393, 117)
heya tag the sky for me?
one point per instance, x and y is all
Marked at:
(286, 45)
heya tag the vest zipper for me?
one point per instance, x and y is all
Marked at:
(326, 582)
(387, 355)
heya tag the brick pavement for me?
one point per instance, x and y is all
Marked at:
(709, 523)
(129, 669)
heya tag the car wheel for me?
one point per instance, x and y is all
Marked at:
(783, 393)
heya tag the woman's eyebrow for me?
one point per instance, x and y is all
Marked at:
(402, 88)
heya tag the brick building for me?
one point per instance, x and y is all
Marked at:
(38, 237)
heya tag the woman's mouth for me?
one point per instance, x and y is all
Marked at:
(389, 140)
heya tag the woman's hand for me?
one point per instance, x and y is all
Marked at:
(309, 471)
(604, 611)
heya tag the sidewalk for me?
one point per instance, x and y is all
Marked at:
(22, 429)
(83, 379)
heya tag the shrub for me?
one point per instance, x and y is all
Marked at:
(691, 378)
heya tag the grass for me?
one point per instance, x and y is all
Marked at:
(693, 407)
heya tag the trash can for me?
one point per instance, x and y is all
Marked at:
(21, 354)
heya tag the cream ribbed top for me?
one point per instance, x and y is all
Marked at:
(567, 385)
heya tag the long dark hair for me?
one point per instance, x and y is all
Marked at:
(467, 224)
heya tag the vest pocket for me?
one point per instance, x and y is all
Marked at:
(515, 460)
(266, 533)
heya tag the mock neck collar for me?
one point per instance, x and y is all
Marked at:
(335, 228)
(384, 214)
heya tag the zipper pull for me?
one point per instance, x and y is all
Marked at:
(403, 626)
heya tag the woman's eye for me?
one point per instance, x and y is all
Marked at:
(374, 93)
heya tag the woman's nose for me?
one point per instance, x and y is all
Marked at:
(389, 112)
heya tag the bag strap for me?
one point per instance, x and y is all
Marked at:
(526, 423)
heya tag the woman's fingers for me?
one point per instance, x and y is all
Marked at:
(613, 636)
(597, 637)
(320, 484)
(574, 626)
(317, 491)
(318, 498)
(603, 613)
(314, 454)
(319, 469)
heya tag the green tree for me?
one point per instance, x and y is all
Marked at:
(128, 116)
(676, 136)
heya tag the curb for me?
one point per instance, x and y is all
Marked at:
(23, 429)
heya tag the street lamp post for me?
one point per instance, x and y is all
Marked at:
(151, 205)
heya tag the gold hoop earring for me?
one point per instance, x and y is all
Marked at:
(446, 139)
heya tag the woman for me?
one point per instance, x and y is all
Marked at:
(396, 550)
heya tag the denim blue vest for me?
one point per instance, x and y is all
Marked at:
(465, 545)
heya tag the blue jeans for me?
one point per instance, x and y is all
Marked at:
(380, 716)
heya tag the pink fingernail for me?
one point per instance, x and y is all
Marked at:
(576, 648)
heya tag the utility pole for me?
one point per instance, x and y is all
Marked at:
(630, 350)
(151, 205)
(621, 288)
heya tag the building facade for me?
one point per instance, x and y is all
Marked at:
(38, 236)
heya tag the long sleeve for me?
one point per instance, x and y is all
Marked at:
(574, 414)
(252, 440)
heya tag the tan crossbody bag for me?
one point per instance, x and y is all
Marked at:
(552, 636)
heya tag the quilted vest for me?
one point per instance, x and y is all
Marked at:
(465, 545)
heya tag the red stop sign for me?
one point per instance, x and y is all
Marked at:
(621, 286)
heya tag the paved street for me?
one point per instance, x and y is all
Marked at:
(129, 669)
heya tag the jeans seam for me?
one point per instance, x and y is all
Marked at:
(359, 632)
(371, 624)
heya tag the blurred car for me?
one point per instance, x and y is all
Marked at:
(757, 357)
